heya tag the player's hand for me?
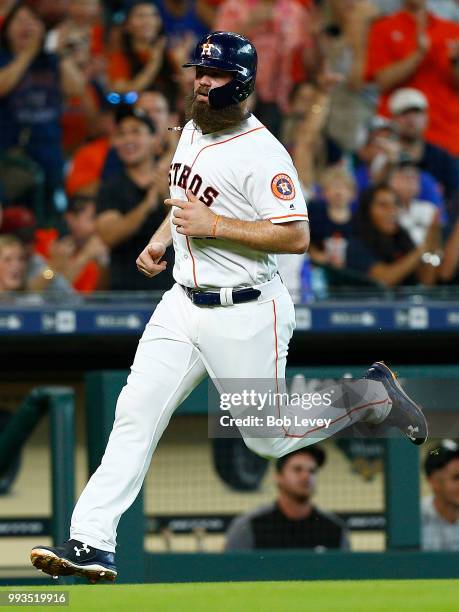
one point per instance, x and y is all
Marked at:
(149, 261)
(193, 217)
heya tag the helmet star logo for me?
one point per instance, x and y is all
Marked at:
(207, 49)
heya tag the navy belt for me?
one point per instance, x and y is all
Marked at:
(214, 298)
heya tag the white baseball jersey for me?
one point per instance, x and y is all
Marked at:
(243, 173)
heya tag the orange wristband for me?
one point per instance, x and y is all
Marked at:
(214, 227)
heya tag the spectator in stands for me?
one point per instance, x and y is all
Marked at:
(383, 250)
(380, 153)
(32, 82)
(86, 167)
(155, 105)
(85, 170)
(182, 18)
(304, 136)
(377, 155)
(51, 274)
(409, 109)
(415, 48)
(330, 218)
(343, 44)
(83, 22)
(311, 150)
(81, 36)
(291, 521)
(13, 263)
(185, 22)
(280, 30)
(87, 268)
(440, 512)
(414, 215)
(143, 60)
(128, 205)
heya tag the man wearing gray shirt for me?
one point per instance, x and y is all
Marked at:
(291, 521)
(440, 512)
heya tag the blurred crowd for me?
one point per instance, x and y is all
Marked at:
(364, 94)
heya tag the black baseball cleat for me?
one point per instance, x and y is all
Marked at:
(75, 559)
(405, 414)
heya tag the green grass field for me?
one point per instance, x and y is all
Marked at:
(343, 596)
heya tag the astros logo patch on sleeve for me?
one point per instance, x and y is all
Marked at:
(282, 187)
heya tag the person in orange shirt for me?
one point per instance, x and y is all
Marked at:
(414, 48)
(143, 61)
(86, 167)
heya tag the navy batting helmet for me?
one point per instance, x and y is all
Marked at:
(232, 53)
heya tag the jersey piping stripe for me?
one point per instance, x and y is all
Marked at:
(369, 405)
(214, 144)
(262, 127)
(287, 216)
(193, 263)
(276, 347)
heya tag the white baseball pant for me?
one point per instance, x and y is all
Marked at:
(180, 346)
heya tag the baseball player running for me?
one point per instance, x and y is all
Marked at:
(235, 202)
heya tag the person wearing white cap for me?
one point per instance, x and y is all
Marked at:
(407, 98)
(416, 49)
(409, 108)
